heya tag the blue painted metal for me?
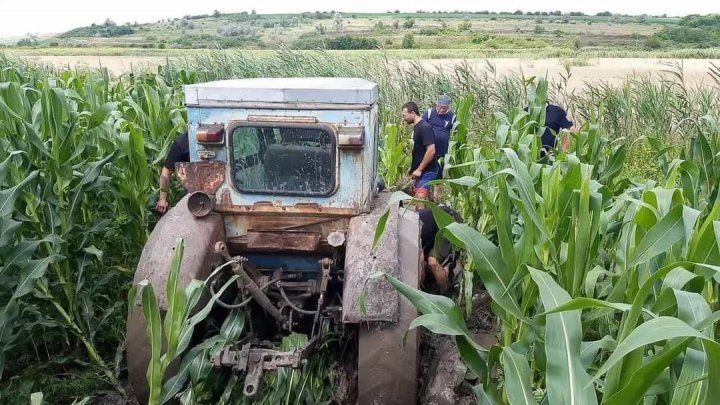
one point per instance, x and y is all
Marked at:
(272, 261)
(357, 169)
(333, 102)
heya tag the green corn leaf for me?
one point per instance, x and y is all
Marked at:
(693, 309)
(12, 157)
(472, 355)
(429, 303)
(447, 319)
(20, 254)
(395, 198)
(487, 262)
(101, 114)
(189, 325)
(8, 230)
(31, 272)
(10, 195)
(517, 377)
(151, 313)
(654, 330)
(705, 246)
(173, 386)
(437, 323)
(92, 172)
(175, 315)
(584, 303)
(567, 381)
(661, 237)
(641, 381)
(589, 350)
(233, 326)
(691, 387)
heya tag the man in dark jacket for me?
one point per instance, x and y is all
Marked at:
(556, 119)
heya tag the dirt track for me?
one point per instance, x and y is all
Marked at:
(610, 70)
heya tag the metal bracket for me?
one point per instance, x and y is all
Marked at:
(255, 361)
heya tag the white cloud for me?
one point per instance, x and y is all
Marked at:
(52, 16)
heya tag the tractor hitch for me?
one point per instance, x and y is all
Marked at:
(254, 361)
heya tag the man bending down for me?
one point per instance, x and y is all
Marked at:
(436, 262)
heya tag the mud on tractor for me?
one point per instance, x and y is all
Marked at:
(283, 191)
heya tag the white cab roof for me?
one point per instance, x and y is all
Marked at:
(323, 90)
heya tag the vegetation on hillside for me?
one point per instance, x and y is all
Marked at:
(695, 31)
(434, 30)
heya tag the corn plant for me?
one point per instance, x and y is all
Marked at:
(174, 331)
(602, 291)
(76, 174)
(394, 158)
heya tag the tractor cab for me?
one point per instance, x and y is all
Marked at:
(282, 192)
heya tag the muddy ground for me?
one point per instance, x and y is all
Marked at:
(444, 378)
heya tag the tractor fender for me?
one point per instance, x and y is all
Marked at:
(199, 260)
(387, 350)
(362, 263)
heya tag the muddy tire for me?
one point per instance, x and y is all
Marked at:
(199, 259)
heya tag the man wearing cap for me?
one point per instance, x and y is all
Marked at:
(442, 120)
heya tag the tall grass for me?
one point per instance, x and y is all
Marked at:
(661, 105)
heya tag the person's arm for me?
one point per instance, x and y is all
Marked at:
(570, 126)
(162, 204)
(167, 170)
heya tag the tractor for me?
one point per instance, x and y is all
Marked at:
(283, 185)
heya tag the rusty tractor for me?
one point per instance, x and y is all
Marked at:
(283, 191)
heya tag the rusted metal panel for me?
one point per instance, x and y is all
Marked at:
(272, 209)
(201, 176)
(275, 241)
(322, 224)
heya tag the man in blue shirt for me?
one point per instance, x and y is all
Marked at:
(442, 120)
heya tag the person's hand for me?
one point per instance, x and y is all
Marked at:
(162, 206)
(416, 174)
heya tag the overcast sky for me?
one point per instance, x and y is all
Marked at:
(51, 16)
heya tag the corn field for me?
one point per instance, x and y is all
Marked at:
(603, 264)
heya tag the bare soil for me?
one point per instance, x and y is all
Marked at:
(443, 378)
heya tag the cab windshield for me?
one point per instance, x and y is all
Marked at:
(283, 159)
